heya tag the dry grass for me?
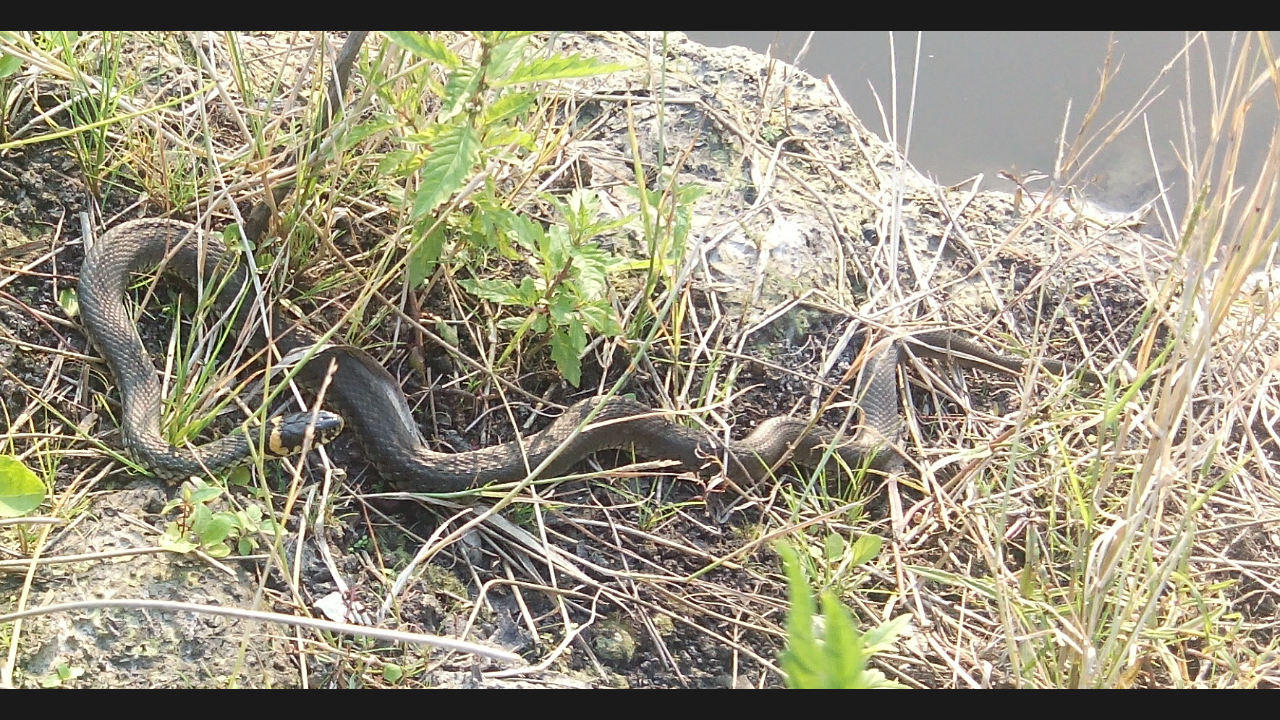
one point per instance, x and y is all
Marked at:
(1046, 537)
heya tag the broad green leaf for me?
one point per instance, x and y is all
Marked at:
(201, 516)
(355, 135)
(239, 476)
(555, 250)
(447, 332)
(866, 547)
(557, 67)
(530, 292)
(503, 292)
(564, 351)
(423, 46)
(834, 545)
(217, 529)
(9, 64)
(842, 646)
(426, 251)
(204, 495)
(69, 301)
(459, 90)
(446, 169)
(593, 266)
(601, 317)
(396, 162)
(503, 137)
(427, 136)
(837, 655)
(217, 550)
(173, 540)
(508, 105)
(561, 308)
(269, 527)
(20, 490)
(527, 233)
(800, 659)
(504, 57)
(883, 636)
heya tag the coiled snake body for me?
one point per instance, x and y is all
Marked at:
(372, 403)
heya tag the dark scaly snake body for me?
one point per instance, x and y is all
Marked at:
(373, 405)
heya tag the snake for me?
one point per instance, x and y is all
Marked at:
(369, 400)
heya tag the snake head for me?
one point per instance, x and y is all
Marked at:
(285, 434)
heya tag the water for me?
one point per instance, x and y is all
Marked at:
(995, 102)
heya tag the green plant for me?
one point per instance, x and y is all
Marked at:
(827, 651)
(201, 527)
(9, 64)
(21, 491)
(483, 121)
(566, 294)
(664, 222)
(62, 674)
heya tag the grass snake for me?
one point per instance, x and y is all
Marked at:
(371, 402)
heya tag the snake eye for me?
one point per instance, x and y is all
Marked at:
(285, 434)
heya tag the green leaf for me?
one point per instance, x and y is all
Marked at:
(239, 476)
(501, 137)
(834, 545)
(556, 67)
(446, 169)
(447, 332)
(883, 636)
(217, 529)
(527, 232)
(425, 251)
(217, 550)
(555, 249)
(508, 105)
(565, 348)
(9, 64)
(392, 672)
(800, 660)
(61, 673)
(201, 516)
(504, 57)
(503, 292)
(269, 527)
(204, 494)
(250, 517)
(172, 539)
(20, 490)
(601, 317)
(356, 134)
(530, 292)
(866, 547)
(842, 645)
(424, 46)
(427, 136)
(837, 655)
(513, 324)
(396, 162)
(461, 87)
(561, 308)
